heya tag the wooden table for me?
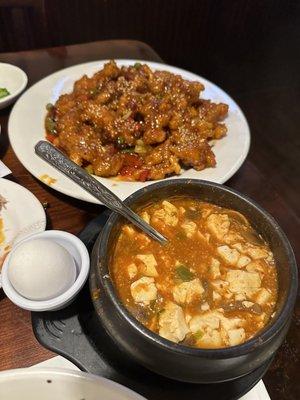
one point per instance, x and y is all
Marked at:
(270, 176)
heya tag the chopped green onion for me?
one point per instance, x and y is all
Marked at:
(137, 65)
(120, 141)
(51, 126)
(4, 92)
(184, 273)
(94, 91)
(198, 335)
(89, 169)
(128, 150)
(141, 147)
(127, 114)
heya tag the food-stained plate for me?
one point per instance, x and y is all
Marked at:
(26, 128)
(21, 214)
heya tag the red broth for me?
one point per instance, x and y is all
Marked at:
(213, 285)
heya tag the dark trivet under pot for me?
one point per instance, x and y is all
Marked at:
(75, 333)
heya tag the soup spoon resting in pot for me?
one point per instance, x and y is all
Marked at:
(57, 159)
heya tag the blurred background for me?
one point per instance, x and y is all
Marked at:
(227, 41)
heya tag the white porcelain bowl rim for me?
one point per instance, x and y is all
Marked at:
(19, 71)
(64, 298)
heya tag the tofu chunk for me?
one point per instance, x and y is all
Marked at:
(186, 292)
(262, 296)
(146, 217)
(149, 264)
(172, 324)
(182, 210)
(209, 320)
(205, 306)
(243, 261)
(257, 253)
(255, 266)
(240, 297)
(231, 256)
(243, 282)
(214, 269)
(205, 237)
(232, 237)
(143, 290)
(218, 225)
(216, 296)
(248, 304)
(236, 336)
(231, 323)
(142, 239)
(189, 228)
(168, 214)
(210, 339)
(128, 230)
(132, 270)
(219, 285)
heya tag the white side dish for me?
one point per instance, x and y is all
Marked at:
(75, 247)
(41, 269)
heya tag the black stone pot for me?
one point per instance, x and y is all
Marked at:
(174, 360)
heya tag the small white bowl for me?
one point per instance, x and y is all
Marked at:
(14, 80)
(82, 260)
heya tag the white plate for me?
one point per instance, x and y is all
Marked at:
(26, 128)
(23, 214)
(60, 384)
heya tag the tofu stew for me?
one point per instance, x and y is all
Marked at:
(213, 285)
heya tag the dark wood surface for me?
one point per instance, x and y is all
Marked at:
(270, 176)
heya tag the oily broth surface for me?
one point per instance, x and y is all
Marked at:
(193, 303)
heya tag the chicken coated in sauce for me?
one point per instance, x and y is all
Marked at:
(136, 123)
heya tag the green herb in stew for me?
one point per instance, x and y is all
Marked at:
(184, 273)
(198, 335)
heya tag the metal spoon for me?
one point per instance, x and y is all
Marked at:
(57, 159)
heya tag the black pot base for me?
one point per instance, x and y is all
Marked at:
(76, 333)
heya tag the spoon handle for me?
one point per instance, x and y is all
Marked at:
(57, 159)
